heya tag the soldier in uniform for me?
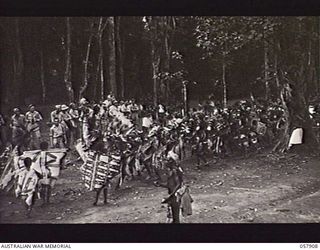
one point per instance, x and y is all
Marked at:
(58, 135)
(18, 126)
(74, 128)
(86, 115)
(33, 119)
(55, 113)
(65, 120)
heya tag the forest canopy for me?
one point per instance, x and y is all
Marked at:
(48, 60)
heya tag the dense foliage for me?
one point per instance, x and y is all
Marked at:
(44, 59)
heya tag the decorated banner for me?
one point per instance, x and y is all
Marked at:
(99, 168)
(52, 159)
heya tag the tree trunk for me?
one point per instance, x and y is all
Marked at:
(67, 74)
(276, 70)
(276, 50)
(18, 64)
(296, 111)
(166, 64)
(15, 96)
(155, 71)
(224, 83)
(84, 87)
(42, 75)
(101, 69)
(311, 66)
(292, 71)
(297, 116)
(119, 46)
(97, 80)
(112, 57)
(282, 144)
(185, 98)
(101, 64)
(266, 69)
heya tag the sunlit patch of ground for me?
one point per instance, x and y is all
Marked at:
(260, 189)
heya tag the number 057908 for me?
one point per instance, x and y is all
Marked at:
(308, 245)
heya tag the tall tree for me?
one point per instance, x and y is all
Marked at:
(119, 46)
(112, 56)
(42, 75)
(85, 84)
(152, 28)
(294, 70)
(67, 73)
(219, 37)
(101, 28)
(42, 68)
(18, 65)
(168, 26)
(266, 69)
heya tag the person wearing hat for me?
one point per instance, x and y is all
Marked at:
(55, 113)
(86, 115)
(83, 102)
(173, 184)
(106, 103)
(65, 120)
(18, 126)
(33, 119)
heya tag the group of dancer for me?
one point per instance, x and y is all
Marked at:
(123, 140)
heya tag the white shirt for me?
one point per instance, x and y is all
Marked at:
(146, 122)
(57, 131)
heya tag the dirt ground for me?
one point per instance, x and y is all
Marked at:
(264, 188)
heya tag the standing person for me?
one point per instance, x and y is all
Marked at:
(55, 113)
(18, 126)
(173, 184)
(146, 123)
(58, 136)
(95, 122)
(33, 119)
(161, 113)
(47, 182)
(104, 115)
(134, 108)
(29, 185)
(86, 116)
(122, 107)
(113, 108)
(65, 120)
(74, 128)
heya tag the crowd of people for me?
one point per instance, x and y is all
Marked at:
(240, 127)
(149, 140)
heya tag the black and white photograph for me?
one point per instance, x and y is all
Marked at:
(159, 119)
